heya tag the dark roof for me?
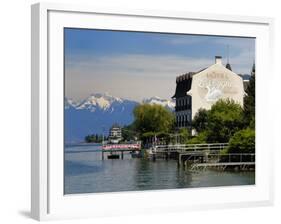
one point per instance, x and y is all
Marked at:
(183, 84)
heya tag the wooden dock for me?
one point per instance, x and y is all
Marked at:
(202, 156)
(119, 149)
(184, 151)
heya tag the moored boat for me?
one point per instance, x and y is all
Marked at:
(113, 156)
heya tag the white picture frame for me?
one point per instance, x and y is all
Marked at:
(48, 201)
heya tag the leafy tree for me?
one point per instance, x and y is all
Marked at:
(90, 138)
(94, 138)
(184, 135)
(219, 123)
(249, 103)
(200, 120)
(100, 138)
(201, 138)
(242, 141)
(129, 132)
(152, 120)
(224, 119)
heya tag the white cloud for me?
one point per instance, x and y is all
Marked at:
(128, 76)
(135, 76)
(134, 64)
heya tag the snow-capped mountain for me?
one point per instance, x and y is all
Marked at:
(98, 100)
(169, 104)
(69, 103)
(97, 113)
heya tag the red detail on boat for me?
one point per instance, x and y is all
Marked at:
(121, 146)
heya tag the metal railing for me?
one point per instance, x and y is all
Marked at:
(189, 147)
(243, 161)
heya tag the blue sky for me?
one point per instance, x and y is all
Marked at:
(137, 65)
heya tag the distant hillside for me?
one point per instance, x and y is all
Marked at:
(98, 112)
(245, 76)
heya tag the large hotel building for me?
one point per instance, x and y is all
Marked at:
(195, 90)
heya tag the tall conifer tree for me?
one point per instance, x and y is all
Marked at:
(249, 100)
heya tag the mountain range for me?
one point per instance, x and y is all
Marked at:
(97, 113)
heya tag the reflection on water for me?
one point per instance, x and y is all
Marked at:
(85, 172)
(77, 168)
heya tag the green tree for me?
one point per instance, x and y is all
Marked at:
(201, 138)
(94, 138)
(90, 138)
(100, 138)
(200, 120)
(219, 123)
(129, 132)
(242, 141)
(152, 119)
(184, 135)
(249, 102)
(224, 119)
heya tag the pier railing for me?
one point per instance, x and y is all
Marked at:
(189, 147)
(240, 160)
(201, 156)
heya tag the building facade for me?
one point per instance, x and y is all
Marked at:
(183, 101)
(115, 134)
(202, 89)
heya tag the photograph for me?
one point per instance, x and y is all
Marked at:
(157, 111)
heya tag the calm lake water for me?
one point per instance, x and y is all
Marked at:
(86, 172)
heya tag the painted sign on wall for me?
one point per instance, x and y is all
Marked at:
(214, 85)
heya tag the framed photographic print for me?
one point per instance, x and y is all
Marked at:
(155, 111)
